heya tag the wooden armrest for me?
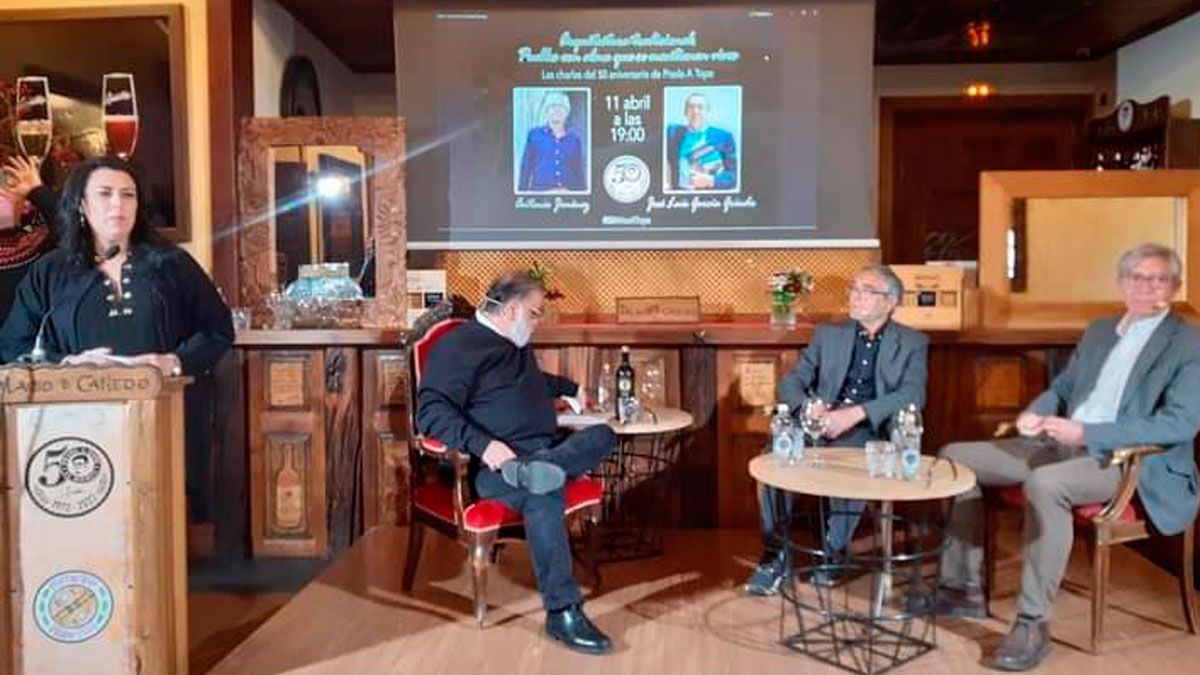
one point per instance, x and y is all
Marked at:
(1133, 453)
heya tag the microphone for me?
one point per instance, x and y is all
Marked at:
(37, 354)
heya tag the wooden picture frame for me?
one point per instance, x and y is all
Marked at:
(382, 139)
(165, 172)
(1002, 213)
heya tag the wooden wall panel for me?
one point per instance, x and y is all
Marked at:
(746, 380)
(343, 451)
(287, 439)
(385, 446)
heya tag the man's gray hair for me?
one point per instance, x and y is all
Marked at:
(1142, 251)
(895, 287)
(506, 288)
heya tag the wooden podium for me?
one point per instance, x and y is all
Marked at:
(92, 522)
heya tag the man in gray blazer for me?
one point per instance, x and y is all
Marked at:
(864, 370)
(1133, 380)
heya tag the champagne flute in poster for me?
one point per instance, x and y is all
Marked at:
(34, 124)
(120, 114)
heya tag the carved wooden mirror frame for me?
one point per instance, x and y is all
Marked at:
(382, 138)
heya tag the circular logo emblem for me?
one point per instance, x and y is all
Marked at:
(626, 179)
(72, 606)
(68, 477)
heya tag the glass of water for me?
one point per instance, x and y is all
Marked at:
(876, 452)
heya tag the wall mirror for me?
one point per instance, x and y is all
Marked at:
(320, 199)
(324, 190)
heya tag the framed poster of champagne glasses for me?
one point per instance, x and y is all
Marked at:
(102, 80)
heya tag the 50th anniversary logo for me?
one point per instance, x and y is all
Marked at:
(70, 477)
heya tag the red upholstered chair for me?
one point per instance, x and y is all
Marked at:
(1118, 521)
(476, 524)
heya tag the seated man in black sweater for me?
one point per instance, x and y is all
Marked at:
(482, 391)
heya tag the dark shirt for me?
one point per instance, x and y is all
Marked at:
(859, 385)
(477, 386)
(173, 308)
(551, 163)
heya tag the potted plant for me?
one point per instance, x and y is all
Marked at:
(786, 287)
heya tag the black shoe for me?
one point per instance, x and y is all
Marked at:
(571, 627)
(534, 475)
(1027, 643)
(950, 602)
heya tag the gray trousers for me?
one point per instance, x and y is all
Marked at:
(1055, 478)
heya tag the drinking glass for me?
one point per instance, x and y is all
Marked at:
(119, 113)
(34, 123)
(812, 424)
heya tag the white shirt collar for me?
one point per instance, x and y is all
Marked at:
(483, 319)
(1151, 321)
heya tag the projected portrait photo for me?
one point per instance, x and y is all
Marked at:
(551, 140)
(703, 136)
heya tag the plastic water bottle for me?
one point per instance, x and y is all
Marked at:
(783, 436)
(910, 428)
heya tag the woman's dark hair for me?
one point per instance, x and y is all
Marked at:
(76, 240)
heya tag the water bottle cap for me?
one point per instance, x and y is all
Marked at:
(781, 408)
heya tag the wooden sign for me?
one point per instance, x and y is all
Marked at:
(50, 383)
(685, 309)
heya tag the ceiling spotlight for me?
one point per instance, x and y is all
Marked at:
(978, 90)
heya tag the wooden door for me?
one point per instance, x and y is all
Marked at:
(931, 153)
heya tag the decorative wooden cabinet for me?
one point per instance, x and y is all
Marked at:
(326, 441)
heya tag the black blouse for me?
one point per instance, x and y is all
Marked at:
(167, 305)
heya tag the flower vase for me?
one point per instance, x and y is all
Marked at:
(783, 316)
(550, 312)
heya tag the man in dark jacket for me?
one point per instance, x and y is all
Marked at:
(863, 371)
(483, 392)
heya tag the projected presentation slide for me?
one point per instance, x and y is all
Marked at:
(605, 127)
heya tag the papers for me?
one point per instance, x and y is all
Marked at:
(582, 420)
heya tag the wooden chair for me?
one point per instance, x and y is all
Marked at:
(448, 508)
(1119, 521)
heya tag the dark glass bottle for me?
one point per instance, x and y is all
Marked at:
(624, 389)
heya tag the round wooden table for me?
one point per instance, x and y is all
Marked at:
(638, 478)
(859, 640)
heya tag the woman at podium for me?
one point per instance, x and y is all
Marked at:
(112, 292)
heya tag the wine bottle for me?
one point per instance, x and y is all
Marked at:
(289, 494)
(624, 386)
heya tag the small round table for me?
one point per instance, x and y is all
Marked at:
(855, 640)
(638, 478)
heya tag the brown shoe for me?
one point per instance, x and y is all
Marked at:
(1027, 643)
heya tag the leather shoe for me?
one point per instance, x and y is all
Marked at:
(950, 602)
(534, 475)
(571, 627)
(1027, 643)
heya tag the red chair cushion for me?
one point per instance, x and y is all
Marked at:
(484, 515)
(423, 346)
(431, 445)
(1014, 496)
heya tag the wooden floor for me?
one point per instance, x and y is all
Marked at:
(683, 613)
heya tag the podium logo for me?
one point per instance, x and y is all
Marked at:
(626, 179)
(69, 477)
(72, 606)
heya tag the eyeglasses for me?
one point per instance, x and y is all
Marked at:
(862, 290)
(1150, 280)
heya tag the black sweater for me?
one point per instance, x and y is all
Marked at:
(186, 315)
(477, 386)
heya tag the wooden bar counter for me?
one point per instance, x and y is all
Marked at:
(326, 416)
